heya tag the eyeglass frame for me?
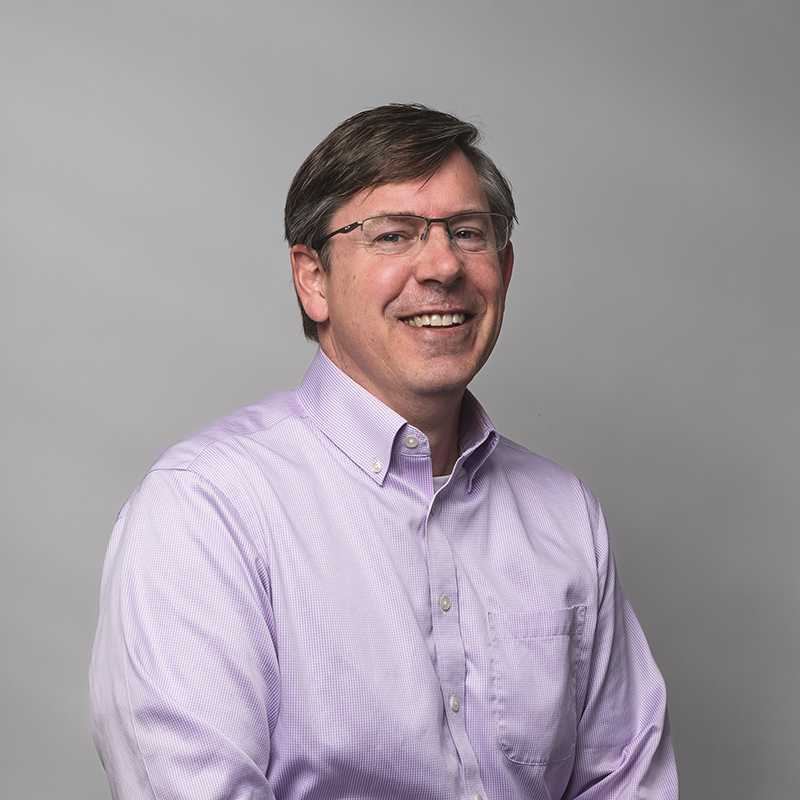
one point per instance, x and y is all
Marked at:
(423, 236)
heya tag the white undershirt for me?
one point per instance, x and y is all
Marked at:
(439, 481)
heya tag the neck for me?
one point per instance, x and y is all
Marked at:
(441, 426)
(435, 414)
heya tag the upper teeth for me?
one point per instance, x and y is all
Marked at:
(436, 320)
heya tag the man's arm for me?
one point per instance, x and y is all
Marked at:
(624, 748)
(184, 675)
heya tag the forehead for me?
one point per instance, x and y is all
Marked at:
(451, 189)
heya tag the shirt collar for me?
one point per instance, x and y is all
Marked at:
(365, 429)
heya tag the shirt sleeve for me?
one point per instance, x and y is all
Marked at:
(624, 747)
(184, 675)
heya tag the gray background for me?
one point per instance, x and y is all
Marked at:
(650, 342)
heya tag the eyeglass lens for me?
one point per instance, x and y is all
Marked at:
(471, 233)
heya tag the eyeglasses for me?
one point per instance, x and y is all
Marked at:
(395, 234)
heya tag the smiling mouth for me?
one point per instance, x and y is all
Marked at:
(436, 320)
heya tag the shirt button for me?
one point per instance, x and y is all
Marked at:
(376, 467)
(444, 602)
(478, 797)
(454, 703)
(412, 441)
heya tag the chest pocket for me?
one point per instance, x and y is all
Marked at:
(534, 665)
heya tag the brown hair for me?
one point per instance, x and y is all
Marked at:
(390, 144)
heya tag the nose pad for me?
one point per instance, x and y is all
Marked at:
(424, 237)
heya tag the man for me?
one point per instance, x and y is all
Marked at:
(359, 589)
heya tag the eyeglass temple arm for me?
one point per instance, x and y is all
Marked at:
(347, 228)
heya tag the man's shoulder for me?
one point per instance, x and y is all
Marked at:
(524, 467)
(540, 483)
(267, 416)
(515, 455)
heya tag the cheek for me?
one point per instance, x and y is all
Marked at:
(493, 291)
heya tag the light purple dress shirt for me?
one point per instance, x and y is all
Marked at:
(289, 610)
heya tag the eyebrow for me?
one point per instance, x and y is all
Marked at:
(415, 214)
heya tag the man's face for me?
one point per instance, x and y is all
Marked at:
(363, 304)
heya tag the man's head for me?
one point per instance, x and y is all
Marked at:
(401, 260)
(390, 144)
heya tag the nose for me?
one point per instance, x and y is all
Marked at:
(437, 258)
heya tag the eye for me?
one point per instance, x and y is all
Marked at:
(391, 237)
(472, 232)
(391, 234)
(469, 233)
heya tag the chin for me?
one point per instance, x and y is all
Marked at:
(442, 382)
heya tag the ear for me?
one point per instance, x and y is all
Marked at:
(507, 265)
(309, 281)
